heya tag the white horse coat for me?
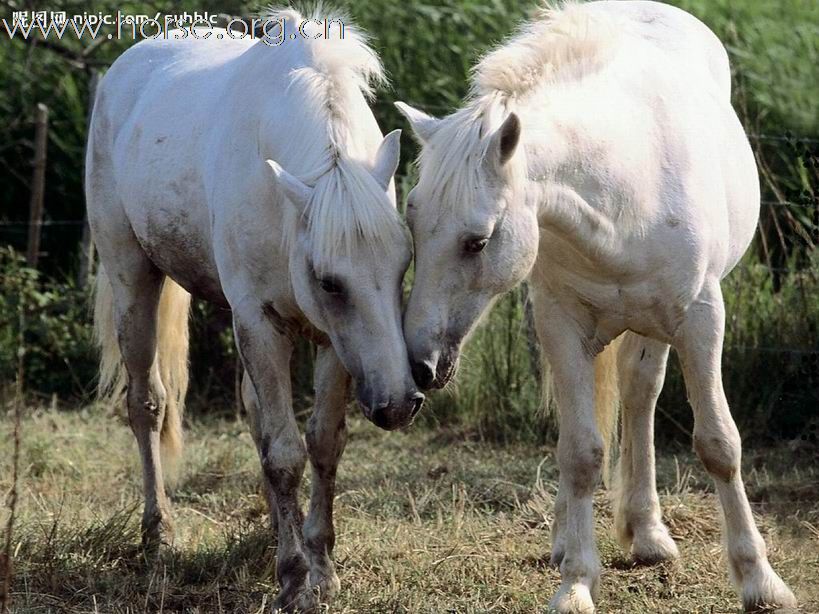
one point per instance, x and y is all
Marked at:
(599, 156)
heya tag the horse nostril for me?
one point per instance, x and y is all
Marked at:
(423, 374)
(417, 403)
(379, 417)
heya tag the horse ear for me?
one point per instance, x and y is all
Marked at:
(505, 140)
(386, 158)
(424, 126)
(294, 188)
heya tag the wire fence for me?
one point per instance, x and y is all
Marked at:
(15, 230)
(76, 222)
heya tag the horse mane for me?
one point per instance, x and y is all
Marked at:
(347, 204)
(562, 44)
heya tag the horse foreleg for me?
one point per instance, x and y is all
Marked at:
(637, 517)
(717, 443)
(266, 356)
(251, 404)
(326, 437)
(580, 458)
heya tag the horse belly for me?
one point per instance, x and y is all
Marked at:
(179, 246)
(170, 217)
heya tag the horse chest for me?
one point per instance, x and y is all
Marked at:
(606, 307)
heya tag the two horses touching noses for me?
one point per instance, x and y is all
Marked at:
(597, 156)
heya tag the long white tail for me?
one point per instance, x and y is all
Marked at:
(607, 401)
(172, 354)
(606, 398)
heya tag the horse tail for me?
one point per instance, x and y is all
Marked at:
(607, 401)
(172, 352)
(172, 357)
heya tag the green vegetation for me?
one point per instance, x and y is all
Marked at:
(452, 515)
(51, 319)
(424, 524)
(428, 49)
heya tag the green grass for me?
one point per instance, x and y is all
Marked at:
(426, 522)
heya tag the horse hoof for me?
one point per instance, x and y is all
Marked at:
(767, 593)
(654, 546)
(157, 535)
(572, 599)
(304, 602)
(326, 585)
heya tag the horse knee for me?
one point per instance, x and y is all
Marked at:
(146, 405)
(582, 463)
(283, 465)
(641, 371)
(641, 386)
(719, 452)
(325, 444)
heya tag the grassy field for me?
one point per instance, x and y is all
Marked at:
(426, 522)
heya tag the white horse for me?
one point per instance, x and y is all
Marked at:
(598, 155)
(183, 189)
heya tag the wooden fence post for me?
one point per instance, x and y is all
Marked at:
(35, 220)
(86, 269)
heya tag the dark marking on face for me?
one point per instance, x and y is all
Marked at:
(447, 366)
(673, 222)
(642, 354)
(160, 140)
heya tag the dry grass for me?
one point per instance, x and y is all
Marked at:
(425, 524)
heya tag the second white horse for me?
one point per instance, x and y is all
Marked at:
(600, 156)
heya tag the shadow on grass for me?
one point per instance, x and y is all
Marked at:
(102, 567)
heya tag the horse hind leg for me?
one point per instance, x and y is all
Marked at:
(136, 286)
(638, 523)
(718, 445)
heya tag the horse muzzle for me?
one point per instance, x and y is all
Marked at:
(388, 414)
(435, 374)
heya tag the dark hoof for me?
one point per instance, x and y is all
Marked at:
(303, 602)
(157, 534)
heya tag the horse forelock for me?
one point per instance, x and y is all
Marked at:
(451, 162)
(347, 206)
(348, 209)
(453, 173)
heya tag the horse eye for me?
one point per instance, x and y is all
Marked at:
(331, 286)
(475, 246)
